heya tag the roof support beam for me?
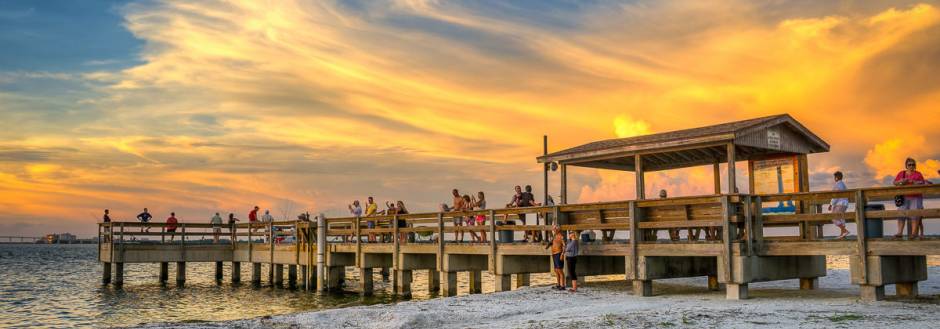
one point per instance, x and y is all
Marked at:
(732, 185)
(638, 161)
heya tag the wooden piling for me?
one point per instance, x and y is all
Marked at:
(105, 273)
(180, 273)
(164, 272)
(366, 284)
(476, 282)
(236, 272)
(218, 271)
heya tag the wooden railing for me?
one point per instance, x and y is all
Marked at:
(725, 218)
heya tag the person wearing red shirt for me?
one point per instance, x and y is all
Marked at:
(910, 176)
(253, 218)
(171, 225)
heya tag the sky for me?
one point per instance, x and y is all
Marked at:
(199, 107)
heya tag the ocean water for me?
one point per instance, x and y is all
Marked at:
(57, 286)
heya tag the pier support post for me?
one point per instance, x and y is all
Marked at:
(292, 275)
(303, 277)
(164, 272)
(404, 282)
(713, 284)
(522, 280)
(434, 281)
(105, 273)
(336, 276)
(271, 274)
(872, 293)
(502, 282)
(448, 284)
(366, 284)
(236, 272)
(118, 274)
(218, 272)
(256, 273)
(643, 288)
(906, 289)
(476, 282)
(278, 274)
(180, 273)
(809, 283)
(736, 291)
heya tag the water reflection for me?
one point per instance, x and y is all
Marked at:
(59, 286)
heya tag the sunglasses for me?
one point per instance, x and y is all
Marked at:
(911, 164)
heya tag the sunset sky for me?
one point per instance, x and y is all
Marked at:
(307, 105)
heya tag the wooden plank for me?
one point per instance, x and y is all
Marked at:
(726, 237)
(640, 187)
(634, 237)
(358, 242)
(440, 241)
(493, 247)
(861, 224)
(681, 224)
(758, 223)
(748, 226)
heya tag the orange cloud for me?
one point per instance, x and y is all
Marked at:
(322, 103)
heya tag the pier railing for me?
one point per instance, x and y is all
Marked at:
(700, 219)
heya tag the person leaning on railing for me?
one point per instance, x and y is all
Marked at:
(906, 177)
(171, 225)
(216, 222)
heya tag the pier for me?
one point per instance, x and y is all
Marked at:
(749, 237)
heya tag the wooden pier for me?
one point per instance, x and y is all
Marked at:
(746, 244)
(744, 253)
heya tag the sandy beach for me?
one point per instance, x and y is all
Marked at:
(678, 303)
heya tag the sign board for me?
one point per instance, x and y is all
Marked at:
(773, 139)
(776, 175)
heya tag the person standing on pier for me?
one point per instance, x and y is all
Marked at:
(527, 199)
(371, 209)
(558, 247)
(355, 210)
(479, 203)
(910, 176)
(171, 225)
(253, 218)
(571, 259)
(267, 219)
(106, 219)
(470, 220)
(401, 210)
(144, 217)
(459, 205)
(216, 222)
(839, 205)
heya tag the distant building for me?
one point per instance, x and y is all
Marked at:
(61, 238)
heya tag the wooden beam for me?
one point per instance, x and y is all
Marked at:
(860, 223)
(717, 174)
(732, 184)
(640, 183)
(564, 184)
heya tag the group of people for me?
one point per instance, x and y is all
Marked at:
(372, 210)
(909, 176)
(172, 223)
(467, 202)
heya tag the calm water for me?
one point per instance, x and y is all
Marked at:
(60, 286)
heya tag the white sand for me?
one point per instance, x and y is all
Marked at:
(678, 303)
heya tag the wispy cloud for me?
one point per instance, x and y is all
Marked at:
(239, 103)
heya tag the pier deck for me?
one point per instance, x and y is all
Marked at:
(742, 250)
